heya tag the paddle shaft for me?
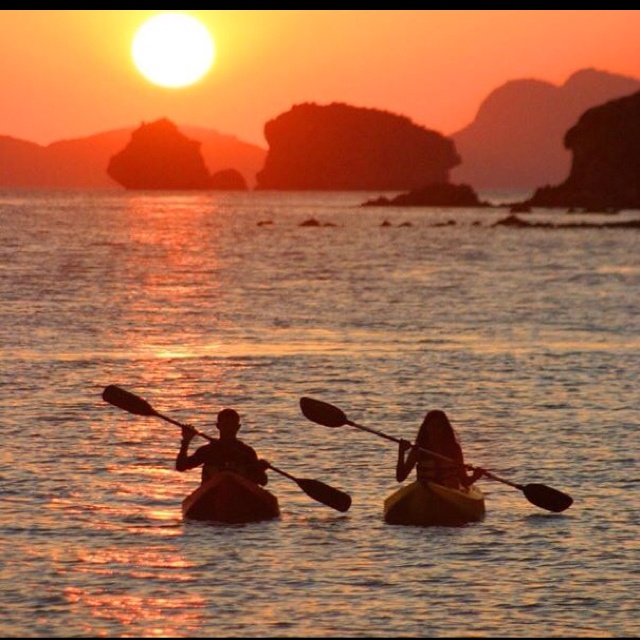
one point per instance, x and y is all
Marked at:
(282, 473)
(210, 439)
(433, 453)
(180, 424)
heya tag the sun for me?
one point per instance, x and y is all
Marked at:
(173, 50)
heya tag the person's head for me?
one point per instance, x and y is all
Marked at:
(228, 423)
(436, 433)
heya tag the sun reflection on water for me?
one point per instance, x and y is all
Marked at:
(160, 617)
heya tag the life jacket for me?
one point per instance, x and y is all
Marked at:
(209, 470)
(221, 457)
(431, 469)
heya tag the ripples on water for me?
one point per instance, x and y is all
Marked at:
(528, 339)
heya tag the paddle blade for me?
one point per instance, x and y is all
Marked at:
(547, 498)
(326, 494)
(323, 413)
(128, 401)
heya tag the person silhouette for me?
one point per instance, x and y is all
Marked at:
(436, 435)
(226, 453)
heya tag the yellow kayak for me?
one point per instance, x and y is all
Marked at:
(230, 498)
(431, 504)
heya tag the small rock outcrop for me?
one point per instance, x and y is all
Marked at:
(159, 157)
(515, 222)
(343, 148)
(435, 195)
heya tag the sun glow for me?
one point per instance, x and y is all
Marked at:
(173, 50)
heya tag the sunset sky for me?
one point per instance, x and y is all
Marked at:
(68, 73)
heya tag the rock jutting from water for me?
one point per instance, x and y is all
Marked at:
(344, 148)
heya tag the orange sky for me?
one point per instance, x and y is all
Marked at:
(68, 74)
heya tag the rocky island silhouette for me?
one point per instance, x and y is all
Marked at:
(344, 148)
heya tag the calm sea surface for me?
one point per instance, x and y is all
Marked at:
(529, 339)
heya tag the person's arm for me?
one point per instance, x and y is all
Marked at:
(404, 467)
(468, 480)
(253, 468)
(257, 472)
(184, 462)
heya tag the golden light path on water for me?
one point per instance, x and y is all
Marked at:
(322, 342)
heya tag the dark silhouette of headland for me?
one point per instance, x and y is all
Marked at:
(344, 148)
(605, 175)
(516, 140)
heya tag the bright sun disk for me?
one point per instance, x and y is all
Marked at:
(173, 50)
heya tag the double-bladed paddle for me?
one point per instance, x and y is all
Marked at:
(540, 495)
(315, 489)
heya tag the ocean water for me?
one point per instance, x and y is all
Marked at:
(528, 339)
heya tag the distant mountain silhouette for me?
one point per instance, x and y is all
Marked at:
(82, 163)
(606, 160)
(160, 157)
(224, 152)
(517, 138)
(344, 148)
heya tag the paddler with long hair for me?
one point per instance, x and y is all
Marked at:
(436, 434)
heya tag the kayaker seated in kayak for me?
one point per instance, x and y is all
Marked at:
(227, 453)
(437, 435)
